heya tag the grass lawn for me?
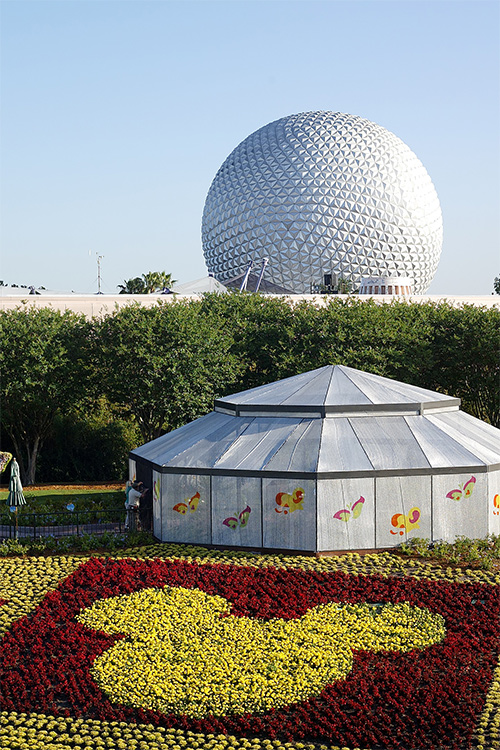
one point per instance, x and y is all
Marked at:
(170, 646)
(55, 498)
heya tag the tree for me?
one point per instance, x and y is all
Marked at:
(165, 364)
(44, 371)
(344, 285)
(496, 285)
(132, 286)
(465, 345)
(149, 283)
(157, 281)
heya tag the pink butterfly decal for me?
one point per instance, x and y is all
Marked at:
(465, 491)
(352, 511)
(240, 522)
(188, 504)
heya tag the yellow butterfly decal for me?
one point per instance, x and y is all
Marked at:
(188, 504)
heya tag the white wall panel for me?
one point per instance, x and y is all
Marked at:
(237, 500)
(157, 503)
(403, 509)
(293, 527)
(345, 523)
(193, 524)
(494, 502)
(463, 516)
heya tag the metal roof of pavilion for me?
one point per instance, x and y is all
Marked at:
(331, 421)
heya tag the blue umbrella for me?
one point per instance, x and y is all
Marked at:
(16, 496)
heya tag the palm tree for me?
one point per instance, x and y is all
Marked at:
(156, 281)
(149, 283)
(132, 286)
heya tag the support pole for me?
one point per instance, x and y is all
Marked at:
(265, 261)
(245, 277)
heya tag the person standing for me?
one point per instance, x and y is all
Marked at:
(132, 506)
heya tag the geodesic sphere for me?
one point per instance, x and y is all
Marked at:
(323, 192)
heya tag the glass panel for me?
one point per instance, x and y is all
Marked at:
(494, 502)
(314, 392)
(170, 445)
(478, 437)
(185, 511)
(289, 513)
(439, 448)
(343, 391)
(300, 451)
(403, 509)
(274, 393)
(346, 514)
(132, 470)
(206, 451)
(237, 511)
(456, 511)
(157, 503)
(381, 390)
(258, 444)
(340, 448)
(389, 443)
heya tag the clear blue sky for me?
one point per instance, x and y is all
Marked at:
(116, 116)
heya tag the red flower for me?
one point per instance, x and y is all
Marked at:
(422, 699)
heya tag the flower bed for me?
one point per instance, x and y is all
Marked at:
(227, 650)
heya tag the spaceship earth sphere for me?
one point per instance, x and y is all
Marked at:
(323, 192)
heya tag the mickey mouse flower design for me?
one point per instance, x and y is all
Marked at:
(184, 652)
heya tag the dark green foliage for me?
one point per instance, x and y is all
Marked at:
(88, 446)
(476, 553)
(91, 390)
(148, 283)
(44, 361)
(68, 544)
(164, 365)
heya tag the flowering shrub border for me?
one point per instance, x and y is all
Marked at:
(405, 579)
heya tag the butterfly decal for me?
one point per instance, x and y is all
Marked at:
(352, 511)
(403, 522)
(465, 491)
(239, 522)
(156, 490)
(496, 505)
(189, 504)
(290, 503)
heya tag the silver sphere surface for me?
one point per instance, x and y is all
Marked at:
(323, 192)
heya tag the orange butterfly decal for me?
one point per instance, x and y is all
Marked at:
(406, 523)
(465, 491)
(496, 505)
(289, 503)
(188, 504)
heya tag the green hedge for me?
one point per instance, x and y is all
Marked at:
(142, 371)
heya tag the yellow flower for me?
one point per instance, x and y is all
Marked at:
(186, 653)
